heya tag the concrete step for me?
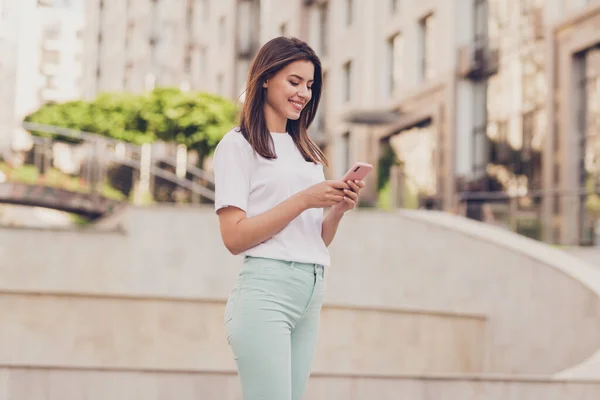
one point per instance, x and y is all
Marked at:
(66, 384)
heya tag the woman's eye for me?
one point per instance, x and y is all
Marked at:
(294, 83)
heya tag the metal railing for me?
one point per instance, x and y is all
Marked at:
(538, 214)
(101, 166)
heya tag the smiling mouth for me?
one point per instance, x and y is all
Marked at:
(298, 106)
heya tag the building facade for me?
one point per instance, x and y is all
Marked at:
(444, 97)
(41, 43)
(136, 45)
(8, 71)
(497, 97)
(571, 153)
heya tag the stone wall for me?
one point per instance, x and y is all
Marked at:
(417, 293)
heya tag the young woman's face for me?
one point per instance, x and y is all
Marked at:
(289, 90)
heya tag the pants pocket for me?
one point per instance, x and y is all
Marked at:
(232, 300)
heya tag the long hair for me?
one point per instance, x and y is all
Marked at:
(273, 56)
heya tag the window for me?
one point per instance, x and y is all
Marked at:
(319, 122)
(394, 5)
(247, 36)
(588, 104)
(527, 131)
(282, 29)
(242, 67)
(205, 9)
(222, 30)
(347, 76)
(51, 82)
(52, 32)
(395, 48)
(345, 151)
(478, 151)
(323, 17)
(525, 166)
(318, 28)
(127, 75)
(481, 21)
(202, 60)
(50, 57)
(220, 89)
(427, 48)
(189, 20)
(499, 146)
(187, 64)
(349, 12)
(324, 98)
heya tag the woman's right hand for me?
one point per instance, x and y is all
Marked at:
(324, 194)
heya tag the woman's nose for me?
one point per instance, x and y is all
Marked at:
(304, 92)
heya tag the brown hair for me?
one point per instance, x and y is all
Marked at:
(271, 58)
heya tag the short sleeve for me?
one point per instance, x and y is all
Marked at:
(231, 166)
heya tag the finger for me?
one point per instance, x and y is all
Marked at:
(360, 184)
(354, 186)
(339, 185)
(351, 194)
(351, 202)
(337, 192)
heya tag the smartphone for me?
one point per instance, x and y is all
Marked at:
(357, 172)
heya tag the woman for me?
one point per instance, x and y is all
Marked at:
(270, 195)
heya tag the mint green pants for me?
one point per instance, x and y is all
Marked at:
(272, 320)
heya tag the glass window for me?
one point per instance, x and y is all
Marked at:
(395, 50)
(427, 48)
(347, 75)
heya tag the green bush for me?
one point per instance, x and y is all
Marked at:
(196, 120)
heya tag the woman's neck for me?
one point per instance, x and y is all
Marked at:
(275, 122)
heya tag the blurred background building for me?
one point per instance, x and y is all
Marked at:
(42, 56)
(460, 90)
(458, 104)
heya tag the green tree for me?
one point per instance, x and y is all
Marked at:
(197, 120)
(73, 114)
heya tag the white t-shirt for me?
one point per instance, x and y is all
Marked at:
(255, 184)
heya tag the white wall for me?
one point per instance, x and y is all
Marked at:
(411, 298)
(541, 317)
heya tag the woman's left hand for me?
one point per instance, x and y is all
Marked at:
(350, 197)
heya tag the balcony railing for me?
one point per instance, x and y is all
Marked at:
(478, 60)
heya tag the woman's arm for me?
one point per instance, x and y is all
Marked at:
(240, 233)
(335, 214)
(330, 225)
